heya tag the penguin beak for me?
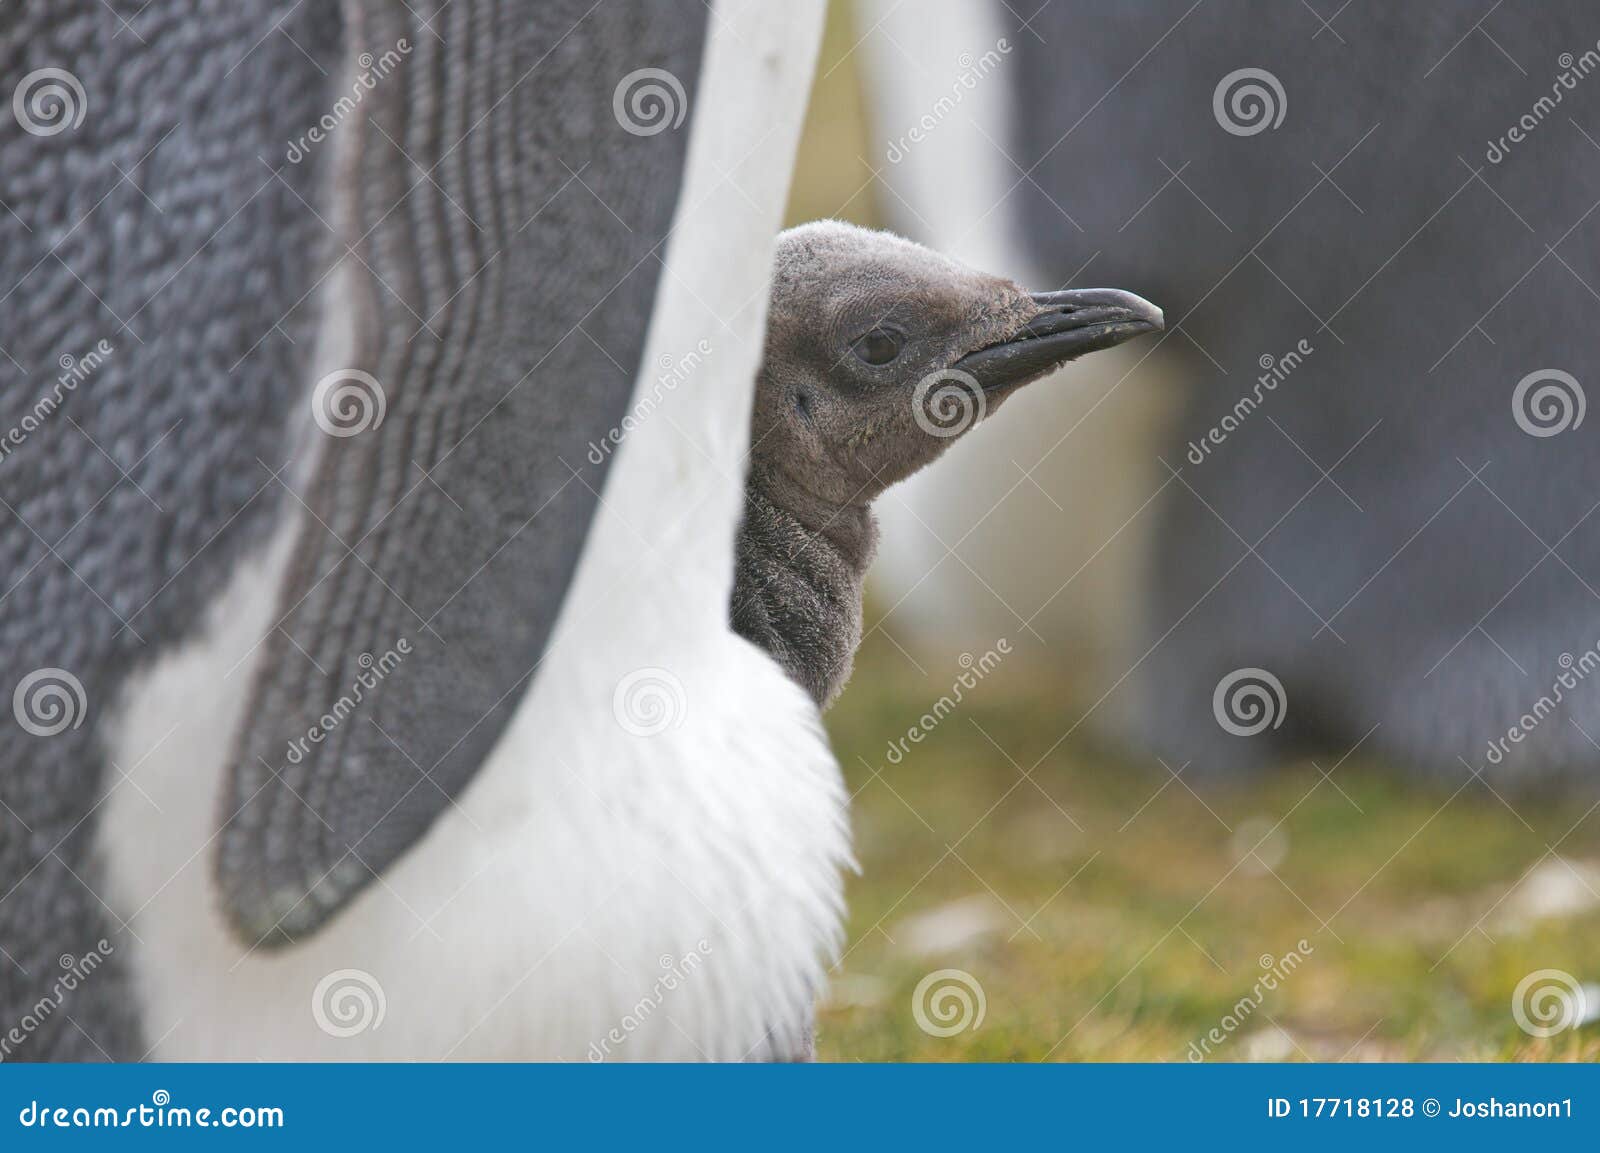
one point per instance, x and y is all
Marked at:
(1067, 325)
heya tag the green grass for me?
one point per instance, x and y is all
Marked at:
(1099, 934)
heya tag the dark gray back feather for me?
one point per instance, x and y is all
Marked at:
(154, 227)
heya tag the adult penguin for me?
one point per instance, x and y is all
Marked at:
(381, 803)
(1374, 524)
(1366, 516)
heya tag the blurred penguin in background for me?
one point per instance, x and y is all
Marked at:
(1363, 515)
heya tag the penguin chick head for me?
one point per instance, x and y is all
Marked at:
(881, 353)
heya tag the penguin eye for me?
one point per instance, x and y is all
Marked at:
(878, 347)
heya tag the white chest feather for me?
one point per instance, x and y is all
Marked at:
(679, 890)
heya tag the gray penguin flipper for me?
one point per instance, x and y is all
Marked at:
(506, 224)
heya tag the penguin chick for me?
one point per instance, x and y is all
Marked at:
(879, 355)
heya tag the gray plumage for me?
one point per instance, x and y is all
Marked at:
(504, 318)
(167, 222)
(151, 226)
(1452, 173)
(797, 587)
(831, 429)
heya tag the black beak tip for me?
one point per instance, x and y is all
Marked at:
(1068, 325)
(1101, 305)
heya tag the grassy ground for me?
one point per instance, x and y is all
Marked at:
(1109, 913)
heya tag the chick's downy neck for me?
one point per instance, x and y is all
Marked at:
(800, 564)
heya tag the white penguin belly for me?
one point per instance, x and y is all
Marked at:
(599, 891)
